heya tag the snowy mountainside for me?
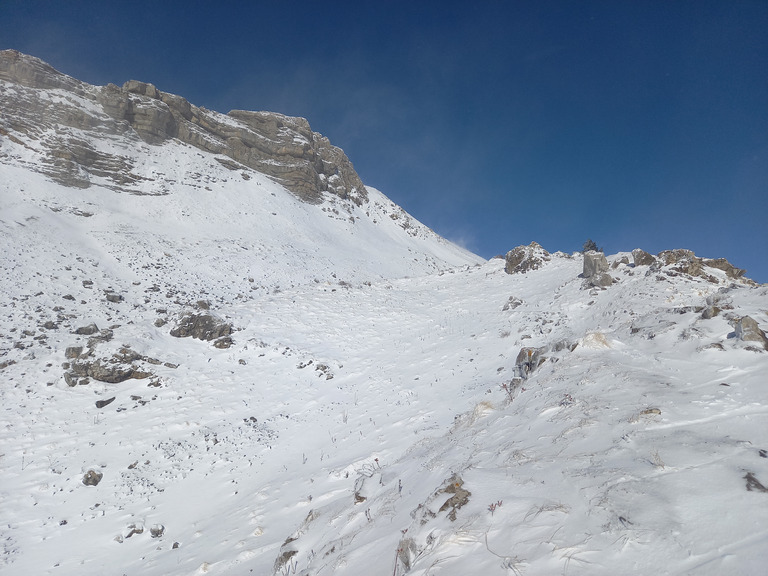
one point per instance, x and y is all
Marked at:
(144, 179)
(394, 425)
(249, 235)
(208, 369)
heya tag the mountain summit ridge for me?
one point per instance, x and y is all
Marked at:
(283, 147)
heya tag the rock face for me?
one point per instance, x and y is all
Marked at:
(642, 258)
(680, 261)
(525, 258)
(282, 147)
(595, 270)
(747, 330)
(722, 264)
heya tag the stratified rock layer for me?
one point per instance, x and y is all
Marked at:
(282, 147)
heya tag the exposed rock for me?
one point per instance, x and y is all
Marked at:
(715, 304)
(157, 531)
(594, 263)
(642, 258)
(5, 363)
(87, 330)
(595, 270)
(111, 373)
(118, 368)
(512, 303)
(747, 330)
(710, 311)
(71, 379)
(202, 327)
(73, 352)
(92, 477)
(223, 342)
(126, 355)
(619, 261)
(132, 529)
(684, 262)
(112, 297)
(730, 270)
(459, 497)
(282, 147)
(525, 258)
(528, 359)
(102, 403)
(104, 335)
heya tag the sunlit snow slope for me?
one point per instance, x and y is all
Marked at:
(214, 377)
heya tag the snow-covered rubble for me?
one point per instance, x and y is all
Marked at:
(386, 425)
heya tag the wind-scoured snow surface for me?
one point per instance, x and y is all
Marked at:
(370, 415)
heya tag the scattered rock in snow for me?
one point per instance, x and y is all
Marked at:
(102, 403)
(223, 342)
(157, 531)
(753, 484)
(324, 370)
(512, 303)
(87, 330)
(112, 297)
(131, 529)
(73, 352)
(110, 373)
(459, 497)
(92, 477)
(528, 359)
(201, 326)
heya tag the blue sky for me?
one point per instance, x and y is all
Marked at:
(637, 124)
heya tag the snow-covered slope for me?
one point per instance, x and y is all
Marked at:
(204, 374)
(214, 230)
(388, 429)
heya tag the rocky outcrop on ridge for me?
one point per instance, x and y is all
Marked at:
(526, 258)
(680, 261)
(53, 113)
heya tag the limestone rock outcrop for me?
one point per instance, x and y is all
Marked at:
(642, 258)
(747, 330)
(525, 258)
(282, 147)
(681, 261)
(595, 270)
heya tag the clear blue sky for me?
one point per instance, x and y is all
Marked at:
(637, 124)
